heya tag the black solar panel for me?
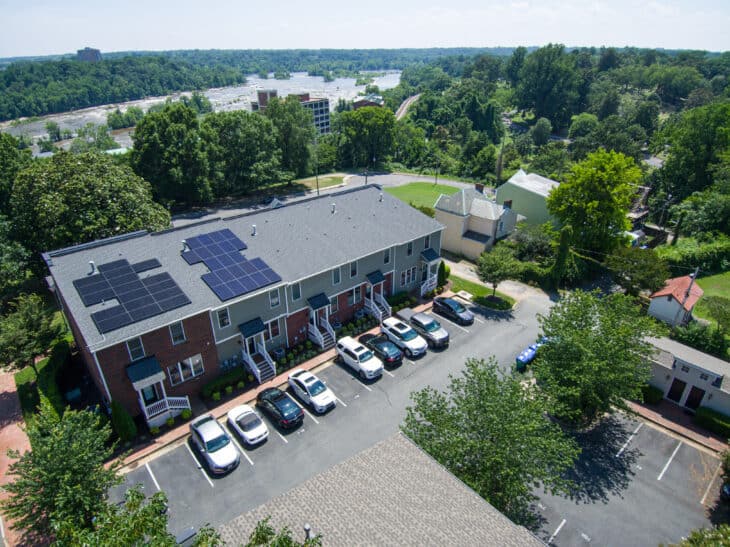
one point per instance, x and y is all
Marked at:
(231, 274)
(138, 298)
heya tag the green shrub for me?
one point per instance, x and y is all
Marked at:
(229, 390)
(308, 344)
(652, 395)
(227, 378)
(154, 430)
(702, 337)
(290, 356)
(217, 396)
(250, 378)
(170, 421)
(123, 423)
(240, 384)
(186, 414)
(713, 421)
(711, 257)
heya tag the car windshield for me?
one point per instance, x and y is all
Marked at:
(217, 443)
(458, 308)
(248, 422)
(431, 326)
(316, 388)
(366, 355)
(408, 334)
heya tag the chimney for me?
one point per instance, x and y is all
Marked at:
(92, 266)
(253, 229)
(185, 247)
(334, 208)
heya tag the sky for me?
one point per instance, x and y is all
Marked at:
(42, 27)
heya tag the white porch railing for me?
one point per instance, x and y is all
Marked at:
(164, 405)
(380, 299)
(373, 309)
(315, 336)
(261, 349)
(178, 403)
(329, 329)
(251, 365)
(428, 285)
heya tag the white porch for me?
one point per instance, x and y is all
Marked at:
(148, 380)
(319, 329)
(375, 302)
(430, 260)
(253, 350)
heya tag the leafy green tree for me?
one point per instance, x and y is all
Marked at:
(497, 265)
(62, 480)
(14, 259)
(119, 120)
(294, 132)
(549, 84)
(93, 137)
(198, 102)
(702, 337)
(12, 160)
(490, 430)
(71, 199)
(614, 133)
(597, 354)
(540, 132)
(122, 422)
(646, 114)
(595, 198)
(409, 143)
(26, 332)
(718, 307)
(718, 536)
(514, 65)
(169, 152)
(582, 125)
(637, 269)
(367, 135)
(562, 255)
(54, 131)
(265, 535)
(551, 160)
(532, 242)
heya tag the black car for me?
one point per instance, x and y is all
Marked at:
(384, 349)
(452, 309)
(280, 408)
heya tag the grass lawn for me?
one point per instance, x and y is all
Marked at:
(423, 194)
(482, 294)
(714, 285)
(325, 181)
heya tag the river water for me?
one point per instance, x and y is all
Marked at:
(223, 99)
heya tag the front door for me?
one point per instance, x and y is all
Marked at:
(368, 291)
(694, 398)
(150, 394)
(251, 345)
(675, 392)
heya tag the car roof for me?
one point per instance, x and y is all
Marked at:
(209, 429)
(396, 324)
(423, 317)
(270, 392)
(305, 376)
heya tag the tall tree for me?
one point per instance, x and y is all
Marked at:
(595, 198)
(26, 332)
(492, 432)
(295, 132)
(12, 160)
(62, 479)
(549, 84)
(71, 199)
(497, 265)
(637, 269)
(718, 307)
(169, 153)
(514, 65)
(367, 135)
(14, 259)
(540, 132)
(597, 354)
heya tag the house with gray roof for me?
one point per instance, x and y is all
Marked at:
(472, 222)
(157, 315)
(526, 194)
(689, 377)
(392, 493)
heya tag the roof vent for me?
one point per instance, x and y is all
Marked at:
(92, 267)
(185, 246)
(253, 229)
(334, 208)
(381, 197)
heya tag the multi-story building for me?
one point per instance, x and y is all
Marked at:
(157, 315)
(89, 55)
(320, 108)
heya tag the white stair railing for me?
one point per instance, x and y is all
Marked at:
(158, 407)
(251, 365)
(261, 349)
(329, 329)
(380, 299)
(374, 310)
(428, 285)
(315, 336)
(178, 403)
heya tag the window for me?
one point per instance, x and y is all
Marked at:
(353, 269)
(409, 248)
(386, 256)
(135, 348)
(333, 304)
(272, 329)
(185, 369)
(358, 294)
(427, 242)
(177, 333)
(296, 291)
(685, 368)
(408, 276)
(336, 276)
(704, 377)
(223, 319)
(274, 298)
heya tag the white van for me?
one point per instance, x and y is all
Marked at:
(359, 358)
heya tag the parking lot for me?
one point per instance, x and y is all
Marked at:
(635, 485)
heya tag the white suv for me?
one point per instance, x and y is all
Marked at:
(359, 358)
(404, 337)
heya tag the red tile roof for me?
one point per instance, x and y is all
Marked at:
(677, 287)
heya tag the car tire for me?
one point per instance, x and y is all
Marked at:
(362, 375)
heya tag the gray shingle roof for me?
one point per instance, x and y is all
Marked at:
(468, 201)
(692, 356)
(297, 241)
(533, 182)
(390, 494)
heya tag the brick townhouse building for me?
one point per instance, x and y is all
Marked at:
(157, 315)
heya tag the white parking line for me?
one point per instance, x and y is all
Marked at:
(455, 324)
(340, 401)
(197, 464)
(364, 385)
(712, 480)
(482, 321)
(235, 441)
(389, 373)
(666, 465)
(629, 440)
(147, 465)
(281, 437)
(556, 532)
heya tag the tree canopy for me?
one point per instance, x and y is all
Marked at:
(497, 265)
(491, 431)
(596, 354)
(295, 132)
(637, 269)
(367, 135)
(12, 160)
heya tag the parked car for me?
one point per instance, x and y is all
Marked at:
(247, 425)
(311, 390)
(383, 348)
(280, 408)
(359, 358)
(404, 337)
(426, 326)
(214, 444)
(453, 309)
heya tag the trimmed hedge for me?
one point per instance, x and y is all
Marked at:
(652, 395)
(230, 378)
(712, 420)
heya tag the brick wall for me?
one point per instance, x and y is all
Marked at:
(296, 327)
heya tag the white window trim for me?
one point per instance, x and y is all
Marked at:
(427, 241)
(299, 286)
(339, 276)
(351, 274)
(268, 328)
(278, 298)
(228, 318)
(386, 256)
(189, 362)
(336, 307)
(409, 248)
(172, 338)
(129, 350)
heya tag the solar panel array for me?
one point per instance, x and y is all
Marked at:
(139, 298)
(231, 274)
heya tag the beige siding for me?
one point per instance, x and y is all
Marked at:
(530, 205)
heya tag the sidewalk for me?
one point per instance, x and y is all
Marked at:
(11, 437)
(673, 418)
